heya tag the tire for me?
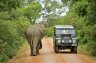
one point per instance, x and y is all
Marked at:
(56, 49)
(74, 49)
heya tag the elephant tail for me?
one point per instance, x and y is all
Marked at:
(32, 38)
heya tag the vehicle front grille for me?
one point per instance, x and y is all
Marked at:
(66, 40)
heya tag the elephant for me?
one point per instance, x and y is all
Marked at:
(34, 34)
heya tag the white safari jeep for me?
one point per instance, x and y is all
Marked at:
(64, 38)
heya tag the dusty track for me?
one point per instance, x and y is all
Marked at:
(47, 55)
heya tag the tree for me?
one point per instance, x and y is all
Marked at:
(91, 12)
(32, 11)
(7, 5)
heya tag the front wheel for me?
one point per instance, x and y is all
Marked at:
(74, 49)
(56, 49)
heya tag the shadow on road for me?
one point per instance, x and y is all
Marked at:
(60, 52)
(65, 52)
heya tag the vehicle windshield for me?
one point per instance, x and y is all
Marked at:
(65, 31)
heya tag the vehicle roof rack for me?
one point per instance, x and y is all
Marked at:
(64, 26)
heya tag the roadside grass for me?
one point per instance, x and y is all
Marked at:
(82, 50)
(20, 54)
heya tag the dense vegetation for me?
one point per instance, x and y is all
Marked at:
(82, 16)
(14, 18)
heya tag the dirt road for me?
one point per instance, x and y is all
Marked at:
(47, 55)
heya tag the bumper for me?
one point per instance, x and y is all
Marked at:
(66, 44)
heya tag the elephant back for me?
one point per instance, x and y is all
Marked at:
(34, 31)
(37, 31)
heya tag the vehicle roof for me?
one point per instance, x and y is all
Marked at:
(64, 26)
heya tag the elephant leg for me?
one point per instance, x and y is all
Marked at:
(31, 51)
(31, 48)
(30, 44)
(40, 44)
(35, 43)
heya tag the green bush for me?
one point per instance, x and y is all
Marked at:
(49, 32)
(80, 8)
(11, 37)
(91, 47)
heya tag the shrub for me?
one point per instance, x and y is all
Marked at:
(91, 47)
(49, 32)
(11, 37)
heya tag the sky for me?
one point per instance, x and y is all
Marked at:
(58, 11)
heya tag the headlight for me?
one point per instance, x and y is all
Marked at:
(58, 41)
(74, 41)
(70, 41)
(62, 41)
